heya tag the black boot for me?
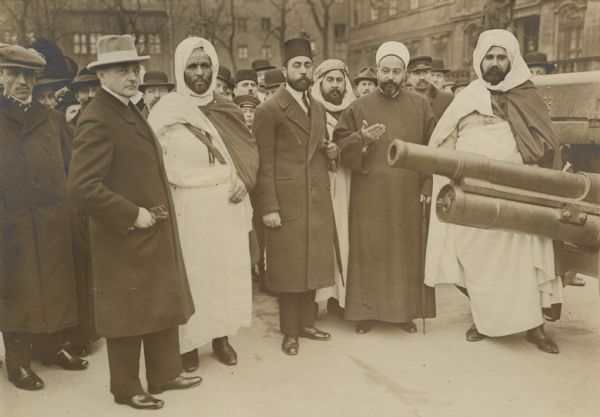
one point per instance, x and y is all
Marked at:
(190, 361)
(538, 336)
(224, 351)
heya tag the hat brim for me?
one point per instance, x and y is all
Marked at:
(21, 65)
(548, 65)
(109, 62)
(170, 86)
(359, 79)
(229, 82)
(419, 67)
(264, 68)
(58, 84)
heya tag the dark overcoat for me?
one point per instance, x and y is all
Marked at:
(293, 180)
(439, 100)
(37, 281)
(139, 279)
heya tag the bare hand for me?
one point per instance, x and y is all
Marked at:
(272, 220)
(332, 150)
(237, 191)
(373, 132)
(144, 219)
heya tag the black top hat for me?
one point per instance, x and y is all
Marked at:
(261, 65)
(156, 79)
(84, 77)
(420, 63)
(224, 74)
(366, 73)
(274, 78)
(437, 65)
(539, 59)
(246, 74)
(296, 47)
(246, 100)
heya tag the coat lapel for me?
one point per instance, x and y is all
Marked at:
(36, 115)
(12, 111)
(126, 114)
(293, 112)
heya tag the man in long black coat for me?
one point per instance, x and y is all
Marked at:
(37, 281)
(140, 286)
(292, 196)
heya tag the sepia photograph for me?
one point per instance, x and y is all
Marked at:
(300, 208)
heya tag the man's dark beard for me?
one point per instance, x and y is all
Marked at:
(389, 88)
(334, 97)
(301, 84)
(494, 75)
(199, 84)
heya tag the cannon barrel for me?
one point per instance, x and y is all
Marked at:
(454, 205)
(458, 165)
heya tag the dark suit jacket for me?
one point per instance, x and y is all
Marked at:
(293, 180)
(140, 284)
(439, 101)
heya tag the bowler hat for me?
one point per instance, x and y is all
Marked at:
(437, 65)
(246, 74)
(261, 65)
(16, 56)
(366, 73)
(224, 75)
(155, 79)
(274, 78)
(539, 59)
(116, 49)
(84, 77)
(246, 100)
(420, 63)
(296, 47)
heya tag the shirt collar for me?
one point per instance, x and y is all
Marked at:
(26, 101)
(122, 99)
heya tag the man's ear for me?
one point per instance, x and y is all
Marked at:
(235, 91)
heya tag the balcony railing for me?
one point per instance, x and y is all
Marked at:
(588, 63)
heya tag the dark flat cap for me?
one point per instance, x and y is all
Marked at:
(296, 47)
(437, 65)
(274, 78)
(366, 73)
(156, 79)
(18, 57)
(538, 59)
(246, 74)
(246, 100)
(261, 65)
(420, 63)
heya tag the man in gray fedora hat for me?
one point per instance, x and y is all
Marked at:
(141, 292)
(365, 81)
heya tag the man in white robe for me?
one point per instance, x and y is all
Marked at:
(211, 162)
(509, 276)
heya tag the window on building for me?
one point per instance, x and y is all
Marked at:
(414, 4)
(80, 45)
(570, 33)
(339, 30)
(242, 24)
(93, 38)
(140, 43)
(267, 53)
(265, 23)
(393, 7)
(243, 51)
(154, 45)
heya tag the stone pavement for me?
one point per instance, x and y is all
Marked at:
(386, 373)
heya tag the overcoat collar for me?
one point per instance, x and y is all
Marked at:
(314, 126)
(126, 113)
(29, 120)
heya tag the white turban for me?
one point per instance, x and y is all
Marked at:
(182, 54)
(393, 48)
(519, 72)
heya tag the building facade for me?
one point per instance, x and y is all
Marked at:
(568, 31)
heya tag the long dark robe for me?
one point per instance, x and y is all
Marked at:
(385, 277)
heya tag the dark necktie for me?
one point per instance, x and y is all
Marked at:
(305, 102)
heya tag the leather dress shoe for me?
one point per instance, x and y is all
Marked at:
(543, 342)
(141, 402)
(181, 382)
(290, 345)
(190, 361)
(224, 351)
(67, 361)
(314, 334)
(473, 335)
(364, 326)
(25, 378)
(333, 307)
(79, 350)
(409, 327)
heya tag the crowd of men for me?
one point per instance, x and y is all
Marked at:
(138, 209)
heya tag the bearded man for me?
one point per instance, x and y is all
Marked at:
(333, 88)
(509, 276)
(384, 271)
(211, 162)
